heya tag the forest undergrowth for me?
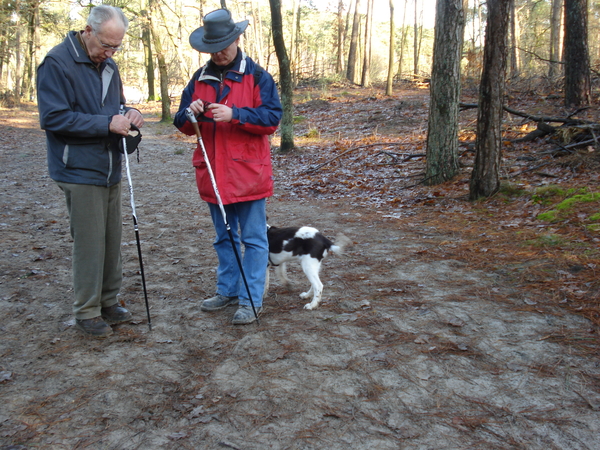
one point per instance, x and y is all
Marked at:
(542, 228)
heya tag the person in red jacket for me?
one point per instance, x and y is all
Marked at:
(237, 106)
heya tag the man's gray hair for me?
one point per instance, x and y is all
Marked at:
(103, 13)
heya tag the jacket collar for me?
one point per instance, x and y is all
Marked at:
(78, 51)
(239, 67)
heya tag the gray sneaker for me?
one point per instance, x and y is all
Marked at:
(245, 315)
(218, 302)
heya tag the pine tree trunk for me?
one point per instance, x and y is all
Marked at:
(18, 58)
(353, 51)
(515, 32)
(555, 26)
(293, 42)
(257, 28)
(365, 80)
(485, 178)
(33, 26)
(402, 40)
(415, 44)
(149, 58)
(577, 59)
(165, 100)
(339, 63)
(442, 135)
(285, 78)
(392, 51)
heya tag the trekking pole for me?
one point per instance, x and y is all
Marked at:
(135, 226)
(192, 118)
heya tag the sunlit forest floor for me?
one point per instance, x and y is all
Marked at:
(370, 149)
(446, 324)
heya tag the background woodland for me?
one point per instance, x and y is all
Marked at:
(325, 40)
(445, 43)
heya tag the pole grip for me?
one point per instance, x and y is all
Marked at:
(192, 118)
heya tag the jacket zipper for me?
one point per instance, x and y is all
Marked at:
(110, 166)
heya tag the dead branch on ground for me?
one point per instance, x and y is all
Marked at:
(317, 167)
(575, 132)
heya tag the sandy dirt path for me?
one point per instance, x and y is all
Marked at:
(404, 352)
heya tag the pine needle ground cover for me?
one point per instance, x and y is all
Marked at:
(447, 323)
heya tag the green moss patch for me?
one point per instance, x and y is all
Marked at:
(578, 205)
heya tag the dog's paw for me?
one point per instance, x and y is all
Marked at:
(309, 306)
(305, 295)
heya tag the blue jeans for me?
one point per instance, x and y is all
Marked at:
(248, 224)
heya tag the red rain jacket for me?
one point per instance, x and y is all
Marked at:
(239, 151)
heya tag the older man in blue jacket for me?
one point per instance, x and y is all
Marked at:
(80, 95)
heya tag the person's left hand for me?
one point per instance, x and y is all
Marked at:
(135, 117)
(221, 113)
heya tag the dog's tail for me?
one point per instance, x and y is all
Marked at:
(341, 242)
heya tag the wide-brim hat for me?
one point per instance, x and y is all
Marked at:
(218, 32)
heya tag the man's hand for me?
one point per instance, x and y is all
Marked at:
(221, 113)
(198, 107)
(135, 117)
(119, 125)
(122, 124)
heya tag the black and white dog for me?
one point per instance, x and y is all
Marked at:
(307, 245)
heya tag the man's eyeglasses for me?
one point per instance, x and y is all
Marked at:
(106, 46)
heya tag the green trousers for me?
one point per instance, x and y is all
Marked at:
(96, 225)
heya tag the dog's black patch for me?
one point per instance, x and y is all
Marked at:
(285, 240)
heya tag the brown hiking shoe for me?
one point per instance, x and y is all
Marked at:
(115, 314)
(94, 327)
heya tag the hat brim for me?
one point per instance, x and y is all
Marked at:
(198, 43)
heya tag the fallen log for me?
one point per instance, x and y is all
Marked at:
(547, 119)
(568, 129)
(317, 167)
(543, 129)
